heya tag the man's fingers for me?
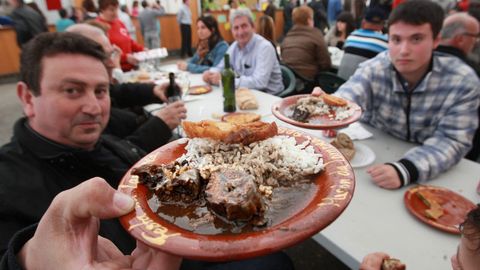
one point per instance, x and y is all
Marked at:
(317, 91)
(93, 198)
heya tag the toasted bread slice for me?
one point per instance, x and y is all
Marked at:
(435, 210)
(230, 132)
(393, 264)
(333, 100)
(241, 118)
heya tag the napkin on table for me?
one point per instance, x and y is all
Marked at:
(356, 131)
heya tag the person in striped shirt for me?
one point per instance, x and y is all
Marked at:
(364, 43)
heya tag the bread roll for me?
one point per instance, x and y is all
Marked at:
(245, 99)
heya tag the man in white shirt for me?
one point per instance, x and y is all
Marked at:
(252, 57)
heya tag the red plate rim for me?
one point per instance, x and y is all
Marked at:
(450, 228)
(337, 182)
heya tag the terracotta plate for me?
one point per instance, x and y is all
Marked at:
(200, 89)
(335, 186)
(455, 207)
(283, 110)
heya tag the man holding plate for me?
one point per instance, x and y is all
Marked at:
(417, 95)
(59, 145)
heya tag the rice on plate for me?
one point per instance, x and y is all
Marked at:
(273, 161)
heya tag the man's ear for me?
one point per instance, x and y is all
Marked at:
(436, 41)
(26, 97)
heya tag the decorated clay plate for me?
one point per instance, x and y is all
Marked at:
(455, 207)
(200, 89)
(283, 110)
(333, 187)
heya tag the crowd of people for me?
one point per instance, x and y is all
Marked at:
(410, 68)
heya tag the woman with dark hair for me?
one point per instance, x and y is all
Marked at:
(118, 33)
(210, 49)
(343, 27)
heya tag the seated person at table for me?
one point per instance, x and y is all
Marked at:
(69, 228)
(417, 95)
(124, 123)
(468, 252)
(210, 49)
(59, 143)
(458, 37)
(337, 35)
(364, 43)
(118, 33)
(252, 57)
(303, 49)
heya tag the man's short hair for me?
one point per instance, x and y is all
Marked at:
(452, 29)
(418, 12)
(144, 4)
(51, 44)
(455, 24)
(241, 12)
(300, 15)
(104, 4)
(63, 13)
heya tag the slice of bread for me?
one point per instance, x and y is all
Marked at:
(393, 264)
(230, 132)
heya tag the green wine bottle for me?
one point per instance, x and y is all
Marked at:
(228, 84)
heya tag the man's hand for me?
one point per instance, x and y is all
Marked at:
(373, 261)
(67, 235)
(132, 60)
(159, 91)
(172, 114)
(385, 176)
(182, 65)
(211, 77)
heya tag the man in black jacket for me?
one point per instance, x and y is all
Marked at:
(123, 122)
(59, 144)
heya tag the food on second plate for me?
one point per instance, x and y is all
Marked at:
(345, 145)
(198, 90)
(393, 264)
(325, 105)
(241, 118)
(245, 99)
(435, 210)
(218, 187)
(230, 132)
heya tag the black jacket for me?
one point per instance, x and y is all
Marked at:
(143, 130)
(33, 170)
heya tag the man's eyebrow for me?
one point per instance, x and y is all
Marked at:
(83, 83)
